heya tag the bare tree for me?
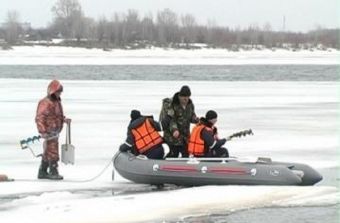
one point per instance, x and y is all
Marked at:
(268, 35)
(188, 23)
(69, 18)
(254, 32)
(148, 28)
(167, 22)
(65, 8)
(132, 26)
(117, 34)
(12, 27)
(89, 29)
(101, 29)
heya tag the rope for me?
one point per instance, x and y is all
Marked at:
(77, 181)
(96, 176)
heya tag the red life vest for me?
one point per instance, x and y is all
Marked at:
(146, 136)
(196, 143)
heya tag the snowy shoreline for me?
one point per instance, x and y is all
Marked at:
(43, 55)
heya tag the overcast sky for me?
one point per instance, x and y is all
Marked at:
(301, 15)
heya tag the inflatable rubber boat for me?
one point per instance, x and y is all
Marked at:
(213, 171)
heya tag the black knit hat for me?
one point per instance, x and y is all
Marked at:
(185, 91)
(135, 114)
(210, 115)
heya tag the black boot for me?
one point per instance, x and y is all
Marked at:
(42, 174)
(54, 174)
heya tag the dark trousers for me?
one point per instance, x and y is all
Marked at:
(218, 152)
(176, 150)
(155, 153)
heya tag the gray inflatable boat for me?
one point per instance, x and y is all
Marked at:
(213, 171)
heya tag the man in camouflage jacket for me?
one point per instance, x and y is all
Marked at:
(178, 116)
(50, 119)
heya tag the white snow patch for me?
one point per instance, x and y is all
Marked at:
(54, 55)
(58, 207)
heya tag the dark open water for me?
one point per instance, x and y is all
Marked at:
(176, 72)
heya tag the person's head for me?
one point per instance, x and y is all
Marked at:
(54, 89)
(211, 117)
(184, 95)
(135, 114)
(58, 92)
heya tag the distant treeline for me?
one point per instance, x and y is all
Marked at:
(165, 29)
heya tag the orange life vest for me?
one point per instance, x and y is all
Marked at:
(196, 143)
(146, 136)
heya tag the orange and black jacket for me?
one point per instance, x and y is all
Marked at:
(203, 138)
(142, 136)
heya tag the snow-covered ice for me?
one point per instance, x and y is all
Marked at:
(67, 207)
(292, 121)
(43, 55)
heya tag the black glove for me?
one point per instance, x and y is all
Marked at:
(124, 148)
(223, 141)
(215, 131)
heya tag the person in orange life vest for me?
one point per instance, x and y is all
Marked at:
(50, 120)
(143, 137)
(204, 141)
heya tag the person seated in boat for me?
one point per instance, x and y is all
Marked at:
(143, 137)
(203, 141)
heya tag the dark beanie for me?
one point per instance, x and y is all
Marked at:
(185, 91)
(210, 115)
(135, 114)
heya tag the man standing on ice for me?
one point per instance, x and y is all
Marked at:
(50, 119)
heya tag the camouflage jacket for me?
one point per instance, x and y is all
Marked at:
(179, 119)
(49, 116)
